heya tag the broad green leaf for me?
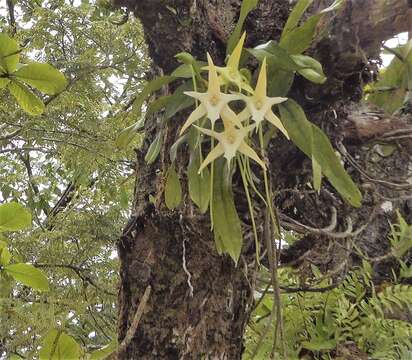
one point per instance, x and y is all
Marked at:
(59, 346)
(4, 254)
(3, 82)
(173, 189)
(179, 101)
(183, 71)
(391, 88)
(300, 38)
(333, 169)
(246, 8)
(28, 275)
(28, 101)
(280, 82)
(276, 56)
(126, 135)
(13, 217)
(295, 16)
(43, 77)
(104, 352)
(199, 184)
(310, 68)
(154, 149)
(226, 222)
(9, 53)
(302, 133)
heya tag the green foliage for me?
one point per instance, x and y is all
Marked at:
(59, 346)
(13, 217)
(392, 89)
(28, 275)
(314, 143)
(43, 77)
(357, 314)
(67, 160)
(173, 189)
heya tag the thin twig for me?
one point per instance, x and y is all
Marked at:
(135, 323)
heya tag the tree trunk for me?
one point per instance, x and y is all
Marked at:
(199, 302)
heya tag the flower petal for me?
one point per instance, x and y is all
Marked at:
(275, 121)
(208, 132)
(212, 156)
(260, 90)
(228, 115)
(214, 85)
(234, 58)
(248, 151)
(194, 116)
(244, 114)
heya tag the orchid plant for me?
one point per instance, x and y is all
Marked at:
(233, 120)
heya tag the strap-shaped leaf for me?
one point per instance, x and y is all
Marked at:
(173, 189)
(295, 16)
(310, 68)
(154, 149)
(14, 217)
(28, 101)
(57, 345)
(9, 53)
(246, 8)
(43, 77)
(299, 39)
(226, 222)
(313, 142)
(28, 275)
(199, 184)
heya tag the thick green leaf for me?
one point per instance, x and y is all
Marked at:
(295, 16)
(43, 77)
(28, 275)
(28, 101)
(276, 56)
(179, 101)
(199, 184)
(59, 346)
(302, 133)
(104, 352)
(226, 222)
(246, 8)
(300, 38)
(13, 217)
(9, 53)
(173, 189)
(154, 149)
(310, 68)
(317, 174)
(333, 169)
(392, 85)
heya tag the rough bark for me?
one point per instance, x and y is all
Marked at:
(172, 251)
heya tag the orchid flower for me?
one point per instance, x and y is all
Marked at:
(231, 140)
(259, 105)
(212, 102)
(231, 73)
